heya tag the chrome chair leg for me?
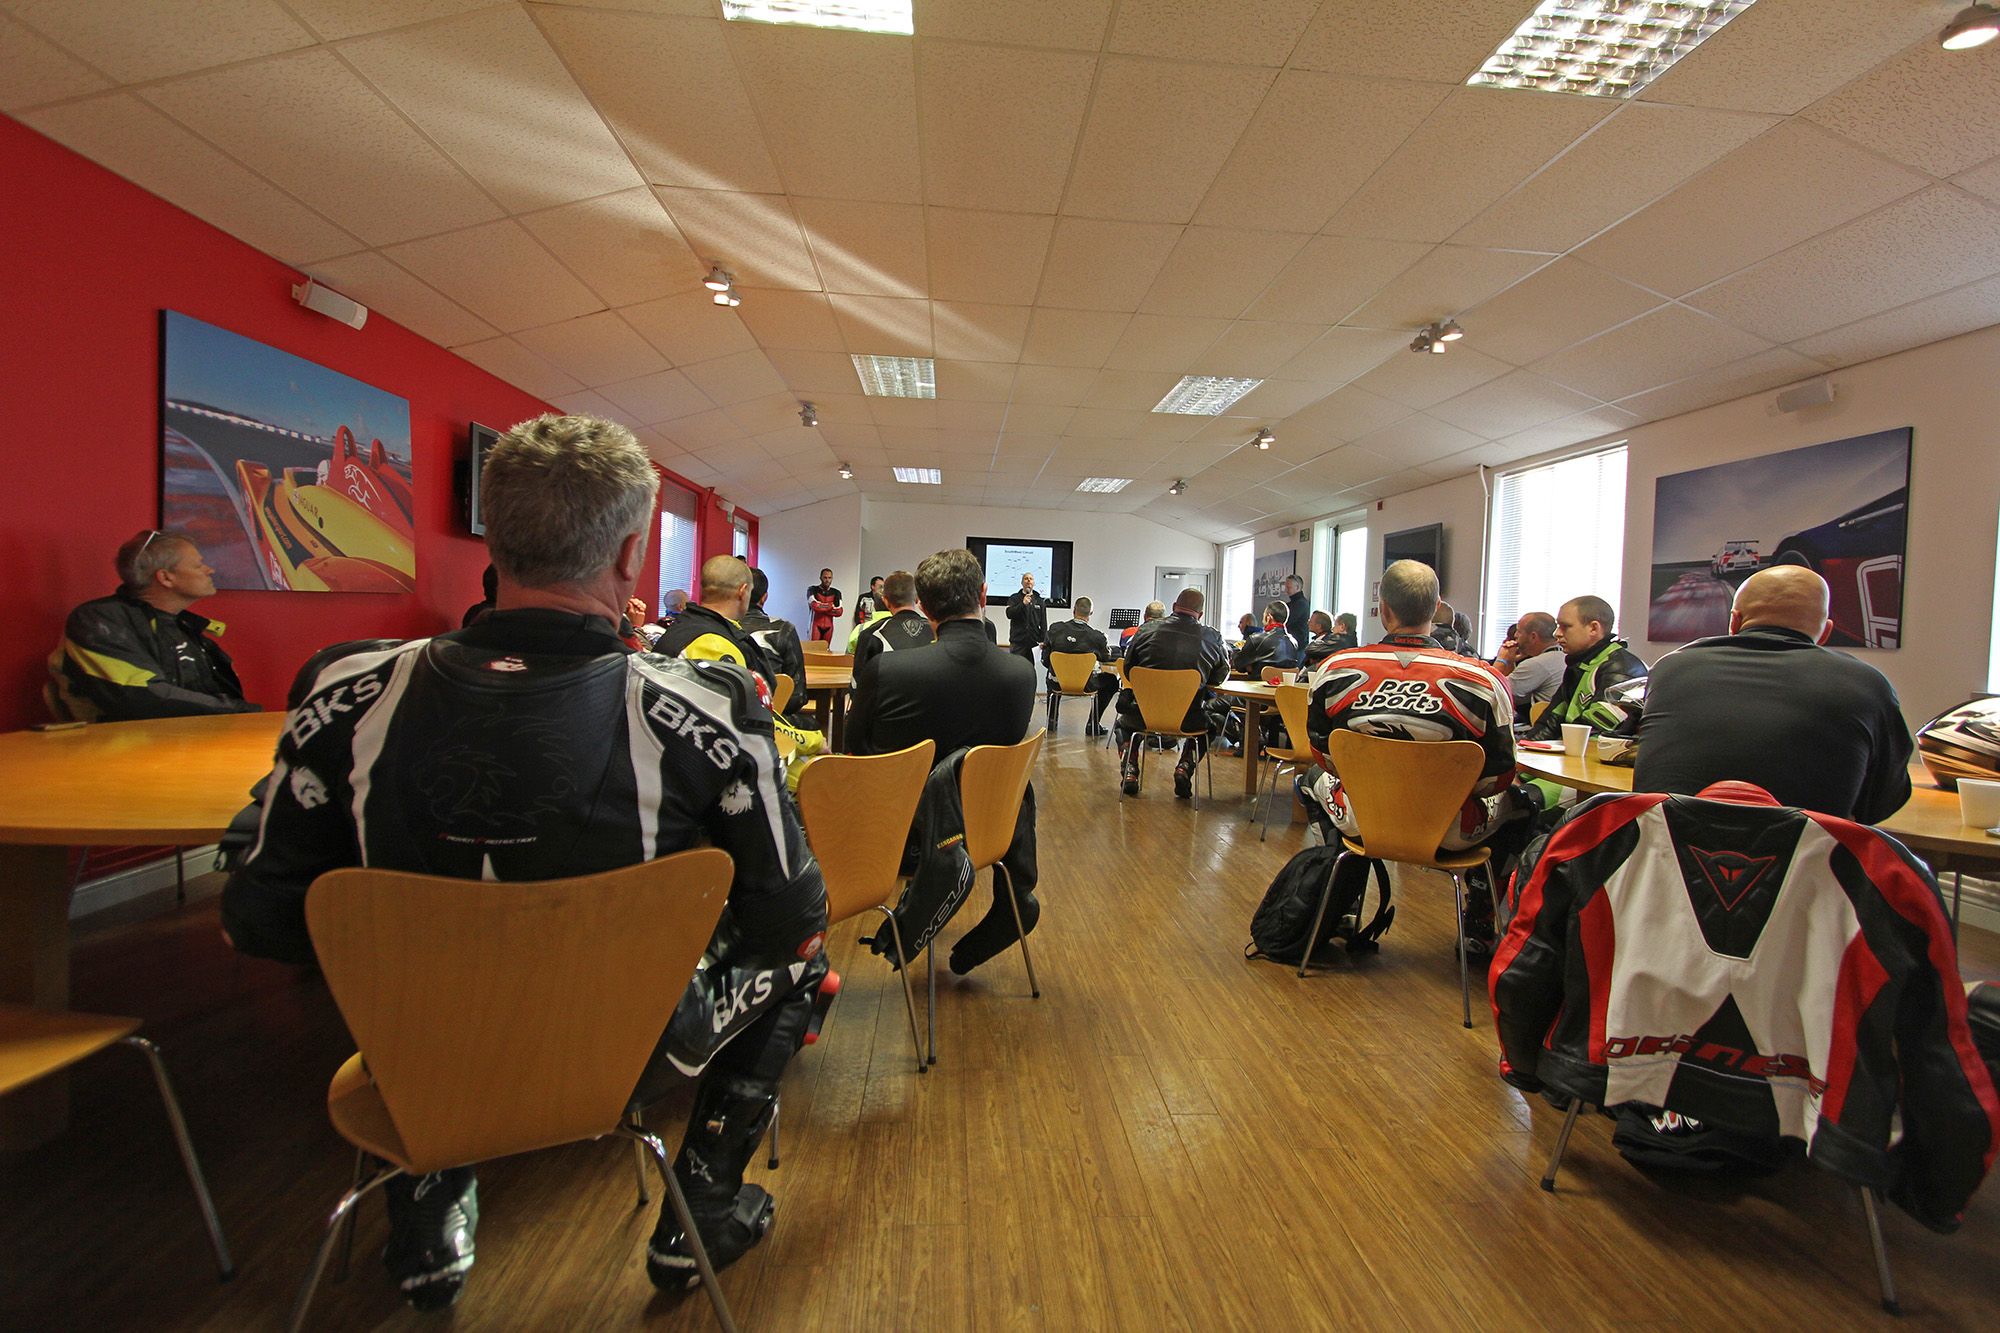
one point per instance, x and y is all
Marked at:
(223, 1263)
(1464, 985)
(930, 1009)
(340, 1211)
(635, 1117)
(347, 1227)
(777, 1106)
(1319, 917)
(999, 873)
(1562, 1145)
(686, 1220)
(1871, 1212)
(909, 999)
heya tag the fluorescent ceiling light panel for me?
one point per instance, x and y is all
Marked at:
(897, 376)
(919, 476)
(857, 15)
(1602, 48)
(1204, 395)
(1105, 484)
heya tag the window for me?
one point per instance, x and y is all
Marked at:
(679, 545)
(1320, 586)
(1558, 532)
(1350, 579)
(739, 543)
(1238, 561)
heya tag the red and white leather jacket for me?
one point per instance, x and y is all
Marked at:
(1757, 967)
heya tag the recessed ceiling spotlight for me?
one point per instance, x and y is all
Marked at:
(846, 472)
(1265, 439)
(1976, 25)
(808, 415)
(1449, 331)
(718, 280)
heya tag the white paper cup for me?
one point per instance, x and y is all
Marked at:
(1576, 736)
(1979, 802)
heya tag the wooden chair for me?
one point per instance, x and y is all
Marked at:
(499, 1018)
(1164, 698)
(35, 1043)
(852, 807)
(834, 660)
(1072, 672)
(782, 695)
(1116, 666)
(816, 647)
(1293, 702)
(1405, 796)
(1272, 675)
(1536, 709)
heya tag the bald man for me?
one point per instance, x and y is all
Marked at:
(1766, 704)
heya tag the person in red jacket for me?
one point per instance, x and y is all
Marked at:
(823, 602)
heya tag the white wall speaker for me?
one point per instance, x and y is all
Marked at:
(328, 302)
(1813, 393)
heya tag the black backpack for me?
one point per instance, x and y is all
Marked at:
(1279, 928)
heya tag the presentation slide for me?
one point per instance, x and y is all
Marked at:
(1005, 563)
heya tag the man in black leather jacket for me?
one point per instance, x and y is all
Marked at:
(1076, 635)
(1297, 611)
(780, 641)
(535, 745)
(1272, 646)
(1027, 620)
(903, 627)
(1173, 643)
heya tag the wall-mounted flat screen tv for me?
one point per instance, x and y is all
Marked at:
(1424, 545)
(1005, 559)
(483, 440)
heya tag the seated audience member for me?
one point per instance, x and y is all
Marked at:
(900, 625)
(1408, 688)
(961, 690)
(1173, 643)
(1297, 613)
(1766, 704)
(1532, 662)
(569, 504)
(779, 639)
(1027, 620)
(1272, 646)
(1154, 611)
(489, 583)
(712, 629)
(140, 652)
(1246, 625)
(823, 605)
(1346, 631)
(867, 606)
(1445, 633)
(671, 606)
(1594, 661)
(1075, 635)
(1320, 644)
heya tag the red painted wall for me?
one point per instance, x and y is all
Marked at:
(87, 262)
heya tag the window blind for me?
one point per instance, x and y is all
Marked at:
(1237, 561)
(1558, 532)
(678, 544)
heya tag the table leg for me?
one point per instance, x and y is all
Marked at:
(837, 738)
(1253, 744)
(34, 970)
(823, 705)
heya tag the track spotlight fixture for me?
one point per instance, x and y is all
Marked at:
(1976, 25)
(808, 415)
(728, 297)
(718, 280)
(846, 472)
(1422, 342)
(1179, 487)
(1265, 439)
(1449, 331)
(1432, 337)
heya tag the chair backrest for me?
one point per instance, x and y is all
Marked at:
(835, 660)
(856, 809)
(992, 783)
(1072, 670)
(1272, 675)
(1536, 709)
(1294, 701)
(782, 695)
(815, 647)
(1404, 794)
(1163, 696)
(498, 1018)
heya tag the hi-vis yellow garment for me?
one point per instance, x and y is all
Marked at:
(709, 636)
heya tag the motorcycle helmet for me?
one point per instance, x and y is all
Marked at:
(1627, 697)
(1962, 742)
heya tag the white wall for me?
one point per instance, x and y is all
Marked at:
(1115, 553)
(1459, 504)
(793, 546)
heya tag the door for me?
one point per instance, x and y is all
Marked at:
(1168, 583)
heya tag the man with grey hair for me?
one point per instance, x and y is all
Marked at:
(535, 745)
(141, 652)
(1532, 662)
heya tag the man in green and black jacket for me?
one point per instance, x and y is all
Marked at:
(1596, 661)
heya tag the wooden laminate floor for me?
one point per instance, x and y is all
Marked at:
(1170, 1138)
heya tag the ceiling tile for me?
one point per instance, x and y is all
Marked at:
(690, 326)
(508, 360)
(623, 246)
(1671, 343)
(1313, 142)
(801, 320)
(335, 19)
(488, 90)
(1215, 272)
(754, 236)
(1766, 370)
(1076, 25)
(136, 40)
(1025, 419)
(499, 273)
(1421, 379)
(1983, 181)
(884, 325)
(1331, 276)
(1157, 136)
(1067, 386)
(38, 70)
(865, 248)
(1130, 390)
(1342, 416)
(1438, 41)
(990, 257)
(1163, 342)
(967, 164)
(1072, 337)
(1946, 316)
(595, 349)
(389, 291)
(695, 129)
(703, 430)
(1511, 404)
(124, 135)
(1631, 159)
(1344, 467)
(1254, 348)
(589, 403)
(1479, 144)
(976, 382)
(309, 125)
(1921, 245)
(1937, 110)
(1278, 399)
(839, 109)
(1782, 58)
(1782, 187)
(1096, 265)
(1260, 34)
(1597, 423)
(1341, 354)
(968, 331)
(661, 396)
(1447, 281)
(1551, 308)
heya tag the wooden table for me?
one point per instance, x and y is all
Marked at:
(827, 687)
(1255, 696)
(176, 781)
